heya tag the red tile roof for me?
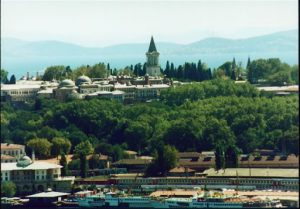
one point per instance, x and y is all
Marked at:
(6, 146)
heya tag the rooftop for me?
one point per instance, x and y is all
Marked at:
(8, 87)
(130, 152)
(181, 169)
(253, 172)
(5, 146)
(132, 162)
(294, 88)
(152, 47)
(173, 193)
(56, 160)
(37, 165)
(188, 154)
(49, 194)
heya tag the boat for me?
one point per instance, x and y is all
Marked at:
(203, 200)
(92, 201)
(113, 199)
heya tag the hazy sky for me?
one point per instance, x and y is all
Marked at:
(102, 23)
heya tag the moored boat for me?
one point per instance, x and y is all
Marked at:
(201, 200)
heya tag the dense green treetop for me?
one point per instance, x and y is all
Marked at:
(3, 76)
(192, 117)
(8, 189)
(272, 71)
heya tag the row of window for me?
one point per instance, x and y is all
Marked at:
(211, 181)
(8, 161)
(22, 92)
(6, 174)
(12, 152)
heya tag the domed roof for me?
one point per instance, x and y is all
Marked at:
(83, 79)
(24, 161)
(66, 83)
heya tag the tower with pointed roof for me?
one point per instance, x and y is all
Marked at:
(152, 68)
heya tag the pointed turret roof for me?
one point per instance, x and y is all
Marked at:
(152, 47)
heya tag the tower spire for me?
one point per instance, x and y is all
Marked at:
(152, 47)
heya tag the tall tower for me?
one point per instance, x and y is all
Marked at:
(152, 67)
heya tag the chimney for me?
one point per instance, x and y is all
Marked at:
(27, 77)
(37, 74)
(33, 156)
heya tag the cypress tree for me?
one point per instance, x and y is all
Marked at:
(233, 76)
(108, 69)
(167, 70)
(231, 157)
(219, 157)
(12, 79)
(63, 162)
(83, 166)
(233, 64)
(209, 74)
(248, 63)
(144, 69)
(172, 70)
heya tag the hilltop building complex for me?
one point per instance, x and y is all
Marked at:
(122, 88)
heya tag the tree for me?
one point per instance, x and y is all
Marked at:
(231, 157)
(166, 157)
(8, 189)
(12, 79)
(167, 70)
(97, 71)
(233, 64)
(63, 163)
(227, 68)
(219, 157)
(60, 145)
(137, 134)
(57, 72)
(280, 78)
(82, 150)
(108, 69)
(83, 166)
(41, 146)
(118, 152)
(248, 63)
(233, 76)
(295, 74)
(4, 75)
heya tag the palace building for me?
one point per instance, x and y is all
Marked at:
(30, 176)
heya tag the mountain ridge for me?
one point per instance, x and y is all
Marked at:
(20, 55)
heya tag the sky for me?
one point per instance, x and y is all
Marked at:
(101, 23)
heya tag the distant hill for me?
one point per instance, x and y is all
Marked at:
(19, 57)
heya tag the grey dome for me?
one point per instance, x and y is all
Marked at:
(66, 83)
(24, 161)
(83, 79)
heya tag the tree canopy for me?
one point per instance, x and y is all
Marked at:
(192, 117)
